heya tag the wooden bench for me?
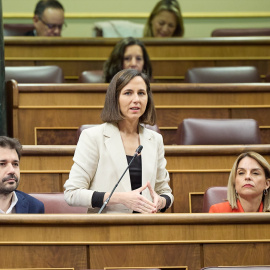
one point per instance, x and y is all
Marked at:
(192, 170)
(51, 113)
(171, 58)
(92, 241)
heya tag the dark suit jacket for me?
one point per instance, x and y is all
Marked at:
(28, 204)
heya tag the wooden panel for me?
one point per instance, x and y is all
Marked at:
(52, 136)
(145, 268)
(74, 67)
(173, 117)
(195, 202)
(33, 256)
(201, 162)
(185, 256)
(48, 114)
(68, 136)
(32, 119)
(147, 229)
(73, 97)
(170, 58)
(91, 241)
(192, 169)
(257, 113)
(169, 135)
(237, 254)
(41, 182)
(64, 177)
(185, 183)
(39, 268)
(50, 163)
(265, 135)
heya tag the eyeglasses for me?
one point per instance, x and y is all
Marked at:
(54, 26)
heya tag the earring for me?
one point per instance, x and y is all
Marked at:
(236, 194)
(265, 192)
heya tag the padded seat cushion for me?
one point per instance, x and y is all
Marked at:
(194, 131)
(240, 32)
(93, 76)
(35, 74)
(55, 203)
(212, 196)
(14, 29)
(246, 74)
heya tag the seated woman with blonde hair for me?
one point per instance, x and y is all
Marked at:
(248, 186)
(165, 20)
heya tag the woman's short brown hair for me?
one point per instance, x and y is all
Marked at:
(111, 112)
(232, 196)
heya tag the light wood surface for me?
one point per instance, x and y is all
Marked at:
(92, 241)
(170, 58)
(51, 114)
(192, 170)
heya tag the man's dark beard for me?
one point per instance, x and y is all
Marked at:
(7, 190)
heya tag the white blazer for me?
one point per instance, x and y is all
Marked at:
(100, 160)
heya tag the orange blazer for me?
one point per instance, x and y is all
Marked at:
(225, 207)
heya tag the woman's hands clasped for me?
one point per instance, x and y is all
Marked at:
(135, 201)
(159, 201)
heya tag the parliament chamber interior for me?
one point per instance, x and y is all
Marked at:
(211, 90)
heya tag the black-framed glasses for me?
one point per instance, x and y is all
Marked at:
(54, 26)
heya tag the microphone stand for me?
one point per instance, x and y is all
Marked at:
(138, 151)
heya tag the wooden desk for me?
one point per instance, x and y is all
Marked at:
(170, 57)
(51, 114)
(192, 170)
(84, 241)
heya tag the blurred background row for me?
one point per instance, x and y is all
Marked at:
(200, 17)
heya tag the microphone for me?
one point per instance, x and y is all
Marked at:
(137, 152)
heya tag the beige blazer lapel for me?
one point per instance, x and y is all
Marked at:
(117, 153)
(148, 155)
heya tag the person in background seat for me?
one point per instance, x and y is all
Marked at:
(12, 200)
(128, 53)
(248, 186)
(48, 19)
(165, 20)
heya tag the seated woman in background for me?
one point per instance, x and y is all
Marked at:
(165, 20)
(103, 153)
(248, 186)
(128, 53)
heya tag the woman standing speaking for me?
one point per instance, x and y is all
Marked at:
(103, 153)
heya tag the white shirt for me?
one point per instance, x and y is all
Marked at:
(11, 209)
